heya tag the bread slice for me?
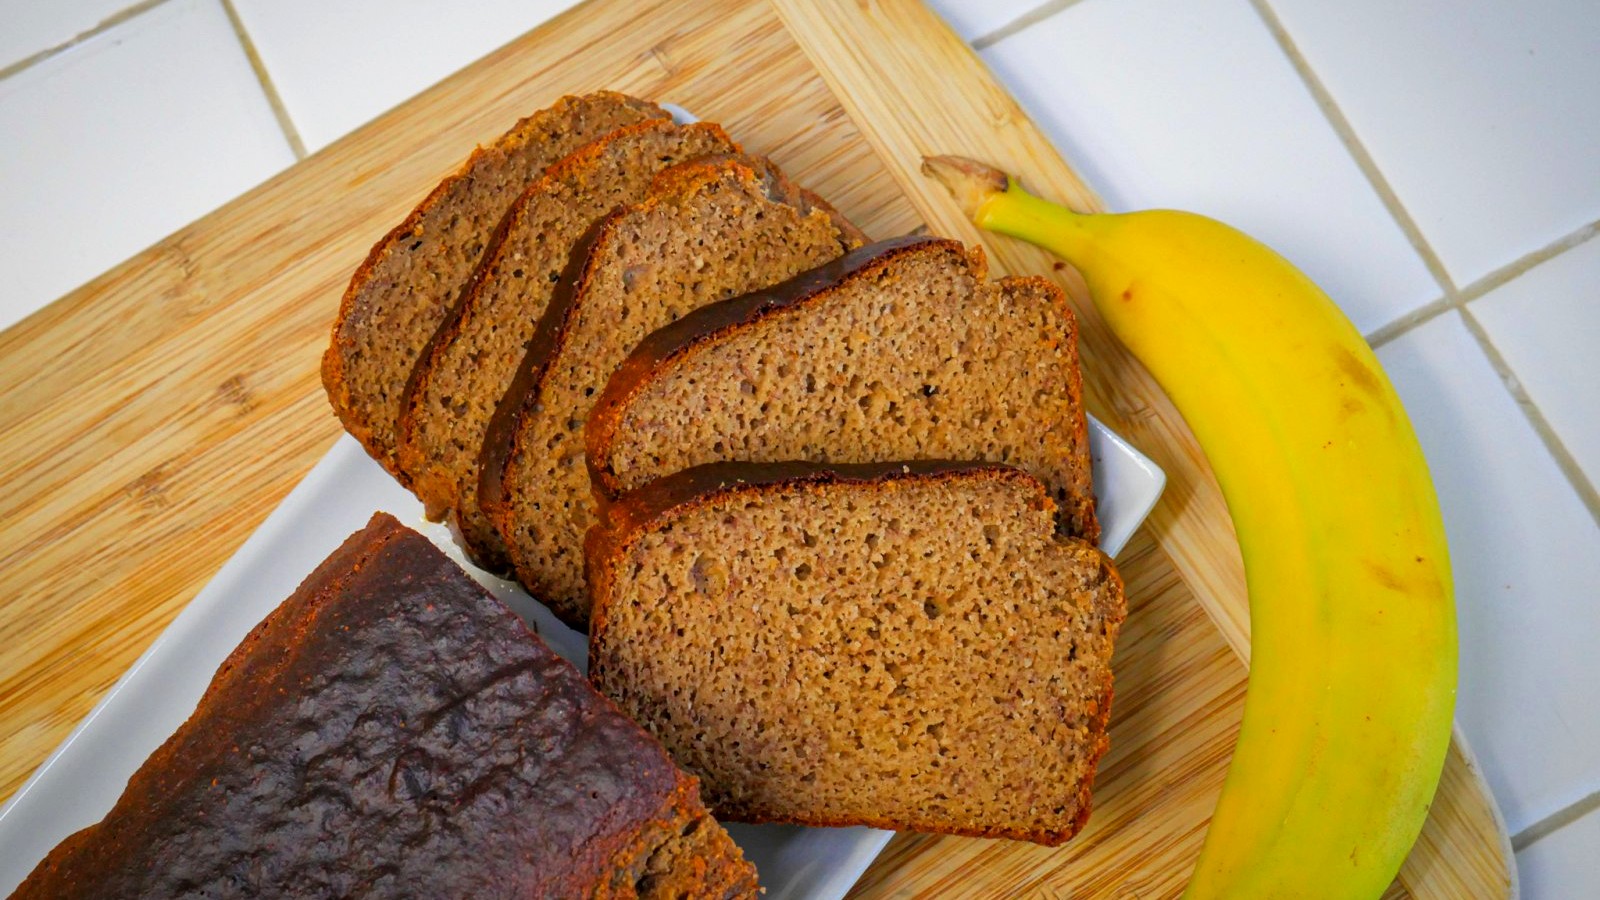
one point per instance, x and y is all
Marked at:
(710, 230)
(900, 350)
(392, 730)
(413, 276)
(469, 366)
(902, 645)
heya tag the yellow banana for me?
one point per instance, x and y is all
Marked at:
(1353, 643)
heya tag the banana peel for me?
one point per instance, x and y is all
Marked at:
(1352, 684)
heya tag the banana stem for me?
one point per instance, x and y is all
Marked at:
(994, 201)
(1017, 213)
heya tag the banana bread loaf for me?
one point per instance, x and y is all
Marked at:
(414, 274)
(711, 229)
(902, 645)
(469, 366)
(391, 730)
(899, 350)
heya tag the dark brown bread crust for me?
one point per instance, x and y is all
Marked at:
(681, 492)
(389, 730)
(626, 519)
(707, 324)
(370, 422)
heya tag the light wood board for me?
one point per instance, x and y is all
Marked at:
(150, 420)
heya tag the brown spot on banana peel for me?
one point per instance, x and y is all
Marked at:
(1384, 576)
(970, 182)
(1360, 375)
(1365, 384)
(1419, 583)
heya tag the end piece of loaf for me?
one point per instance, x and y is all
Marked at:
(469, 366)
(907, 646)
(414, 274)
(711, 229)
(391, 730)
(899, 350)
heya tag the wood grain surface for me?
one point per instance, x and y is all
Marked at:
(151, 419)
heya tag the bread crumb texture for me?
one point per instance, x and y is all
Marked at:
(709, 232)
(909, 354)
(472, 360)
(917, 652)
(414, 274)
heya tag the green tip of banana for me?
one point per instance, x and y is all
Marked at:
(970, 182)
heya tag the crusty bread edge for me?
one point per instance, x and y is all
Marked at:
(685, 800)
(550, 336)
(707, 326)
(420, 478)
(328, 578)
(623, 521)
(1089, 520)
(500, 439)
(503, 445)
(333, 359)
(438, 490)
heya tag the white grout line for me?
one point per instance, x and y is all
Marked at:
(1565, 461)
(1425, 313)
(1358, 150)
(1580, 480)
(1523, 263)
(1498, 278)
(279, 110)
(1554, 822)
(1031, 17)
(108, 23)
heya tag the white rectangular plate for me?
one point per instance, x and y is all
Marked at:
(79, 783)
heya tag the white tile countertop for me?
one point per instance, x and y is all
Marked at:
(1435, 166)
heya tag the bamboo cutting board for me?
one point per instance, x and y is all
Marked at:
(150, 420)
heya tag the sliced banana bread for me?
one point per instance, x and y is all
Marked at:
(711, 229)
(392, 730)
(903, 645)
(899, 350)
(413, 276)
(468, 368)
